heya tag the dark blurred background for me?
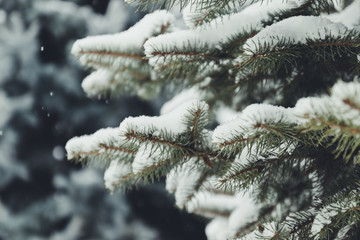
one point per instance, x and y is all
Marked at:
(43, 196)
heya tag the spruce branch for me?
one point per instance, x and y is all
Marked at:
(338, 119)
(119, 57)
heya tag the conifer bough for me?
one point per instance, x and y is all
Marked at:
(280, 81)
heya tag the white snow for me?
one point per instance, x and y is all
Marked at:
(207, 204)
(217, 229)
(347, 91)
(186, 95)
(245, 124)
(247, 155)
(246, 212)
(122, 49)
(217, 31)
(225, 114)
(349, 16)
(129, 40)
(115, 173)
(83, 145)
(97, 81)
(184, 179)
(343, 231)
(147, 157)
(296, 30)
(322, 219)
(173, 122)
(335, 105)
(310, 107)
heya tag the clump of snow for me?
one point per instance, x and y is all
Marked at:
(296, 30)
(186, 95)
(79, 147)
(173, 122)
(217, 229)
(235, 212)
(225, 114)
(253, 115)
(115, 173)
(323, 218)
(310, 107)
(349, 16)
(129, 40)
(97, 81)
(185, 180)
(147, 157)
(248, 154)
(121, 50)
(246, 212)
(343, 231)
(212, 205)
(347, 91)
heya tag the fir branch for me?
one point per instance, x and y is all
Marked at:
(185, 150)
(270, 60)
(194, 124)
(257, 166)
(239, 40)
(214, 5)
(152, 168)
(186, 54)
(209, 12)
(117, 149)
(302, 226)
(239, 140)
(142, 138)
(343, 127)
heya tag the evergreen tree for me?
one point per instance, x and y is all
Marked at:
(256, 141)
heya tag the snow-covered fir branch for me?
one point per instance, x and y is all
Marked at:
(286, 162)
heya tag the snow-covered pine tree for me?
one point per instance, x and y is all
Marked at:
(264, 139)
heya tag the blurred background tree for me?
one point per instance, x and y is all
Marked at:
(41, 195)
